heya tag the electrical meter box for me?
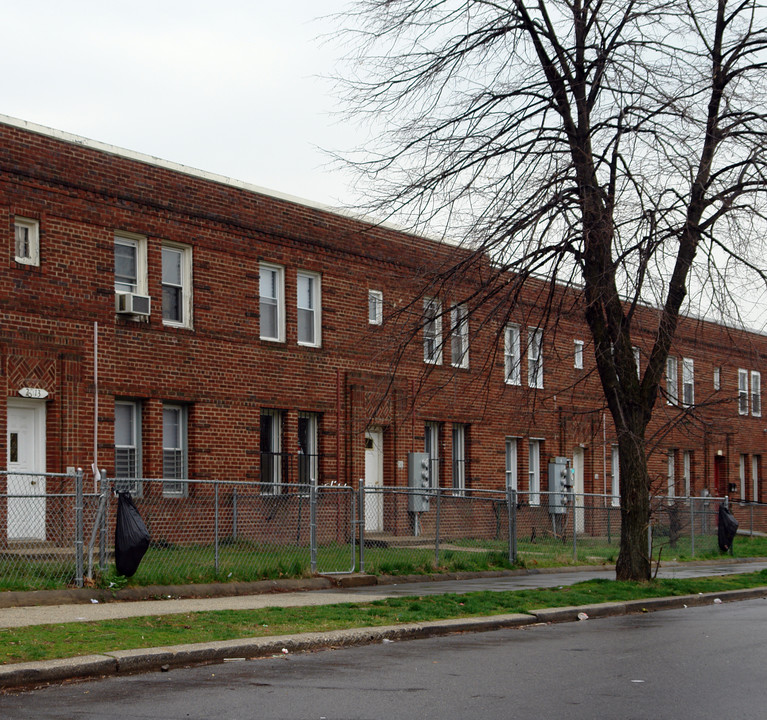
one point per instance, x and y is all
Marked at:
(418, 481)
(559, 485)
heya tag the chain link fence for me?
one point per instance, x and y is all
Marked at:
(60, 530)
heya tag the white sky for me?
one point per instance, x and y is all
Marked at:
(229, 87)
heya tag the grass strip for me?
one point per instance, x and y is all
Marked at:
(47, 642)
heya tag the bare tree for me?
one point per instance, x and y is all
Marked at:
(615, 145)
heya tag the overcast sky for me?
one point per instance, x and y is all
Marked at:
(229, 87)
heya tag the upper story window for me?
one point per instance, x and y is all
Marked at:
(375, 307)
(535, 357)
(177, 285)
(637, 355)
(743, 392)
(459, 337)
(511, 357)
(130, 264)
(432, 331)
(688, 382)
(578, 355)
(756, 393)
(672, 380)
(717, 378)
(308, 308)
(272, 302)
(27, 241)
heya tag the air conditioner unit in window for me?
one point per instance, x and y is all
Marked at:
(132, 304)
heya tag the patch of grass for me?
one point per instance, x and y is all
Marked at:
(44, 642)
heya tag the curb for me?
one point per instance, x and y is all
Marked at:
(125, 662)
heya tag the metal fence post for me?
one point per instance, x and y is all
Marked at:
(215, 527)
(692, 526)
(511, 501)
(574, 498)
(234, 513)
(313, 526)
(361, 523)
(436, 531)
(79, 527)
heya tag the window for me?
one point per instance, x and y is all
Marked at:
(637, 354)
(717, 378)
(432, 331)
(743, 392)
(27, 241)
(742, 475)
(688, 382)
(756, 393)
(308, 424)
(177, 285)
(615, 466)
(534, 472)
(459, 324)
(511, 464)
(671, 473)
(431, 448)
(672, 381)
(578, 355)
(459, 458)
(174, 449)
(308, 308)
(127, 446)
(375, 307)
(535, 357)
(687, 472)
(756, 465)
(271, 451)
(271, 306)
(511, 356)
(130, 264)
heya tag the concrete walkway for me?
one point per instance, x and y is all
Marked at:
(364, 589)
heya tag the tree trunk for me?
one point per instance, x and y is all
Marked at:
(634, 559)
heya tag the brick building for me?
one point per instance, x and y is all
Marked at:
(167, 323)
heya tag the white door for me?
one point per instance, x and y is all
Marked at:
(580, 500)
(374, 480)
(26, 454)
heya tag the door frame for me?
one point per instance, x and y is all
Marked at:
(374, 457)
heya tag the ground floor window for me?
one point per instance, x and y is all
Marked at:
(271, 451)
(174, 449)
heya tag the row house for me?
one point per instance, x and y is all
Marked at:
(162, 322)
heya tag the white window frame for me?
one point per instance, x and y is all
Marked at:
(534, 471)
(512, 364)
(271, 278)
(271, 485)
(717, 378)
(459, 336)
(183, 285)
(687, 472)
(432, 331)
(431, 448)
(309, 308)
(308, 448)
(615, 476)
(578, 354)
(688, 382)
(637, 356)
(459, 459)
(32, 232)
(755, 462)
(512, 464)
(138, 243)
(672, 380)
(175, 441)
(127, 446)
(375, 307)
(535, 357)
(756, 393)
(742, 392)
(742, 460)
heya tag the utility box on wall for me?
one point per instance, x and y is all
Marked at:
(418, 481)
(559, 485)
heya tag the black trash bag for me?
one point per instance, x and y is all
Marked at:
(728, 526)
(131, 536)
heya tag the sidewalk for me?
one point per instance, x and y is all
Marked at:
(318, 591)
